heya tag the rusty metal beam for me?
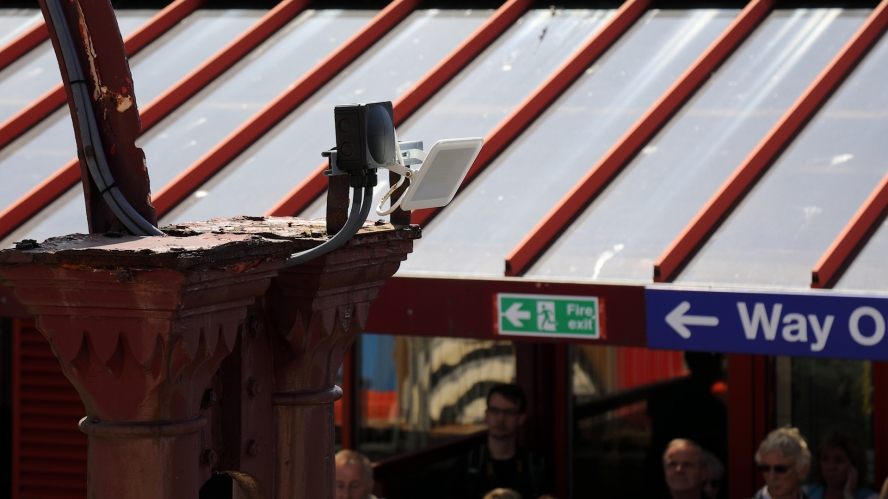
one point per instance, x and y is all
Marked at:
(311, 188)
(66, 177)
(612, 163)
(518, 120)
(734, 189)
(91, 53)
(23, 44)
(25, 119)
(850, 241)
(276, 110)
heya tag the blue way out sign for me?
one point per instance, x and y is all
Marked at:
(801, 324)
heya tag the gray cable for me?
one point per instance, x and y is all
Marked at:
(357, 216)
(93, 153)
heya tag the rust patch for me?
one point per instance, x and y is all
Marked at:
(100, 92)
(244, 266)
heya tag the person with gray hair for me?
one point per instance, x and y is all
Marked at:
(682, 465)
(784, 460)
(354, 476)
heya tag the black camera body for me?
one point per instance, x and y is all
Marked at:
(365, 136)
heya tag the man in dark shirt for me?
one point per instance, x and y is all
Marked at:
(500, 463)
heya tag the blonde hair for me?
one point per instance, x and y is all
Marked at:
(502, 494)
(787, 442)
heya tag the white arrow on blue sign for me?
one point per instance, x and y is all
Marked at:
(809, 324)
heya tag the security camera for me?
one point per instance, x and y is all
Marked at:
(366, 140)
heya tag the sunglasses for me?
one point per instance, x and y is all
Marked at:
(780, 469)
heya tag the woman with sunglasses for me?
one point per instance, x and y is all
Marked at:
(836, 474)
(784, 460)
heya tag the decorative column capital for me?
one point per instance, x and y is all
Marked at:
(316, 309)
(141, 324)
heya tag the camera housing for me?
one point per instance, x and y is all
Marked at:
(365, 136)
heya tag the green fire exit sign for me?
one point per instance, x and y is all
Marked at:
(548, 315)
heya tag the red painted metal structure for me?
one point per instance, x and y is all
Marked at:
(534, 105)
(23, 44)
(151, 114)
(238, 141)
(468, 312)
(609, 166)
(750, 418)
(25, 119)
(851, 240)
(311, 188)
(707, 220)
(46, 440)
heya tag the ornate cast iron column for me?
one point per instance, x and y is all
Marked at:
(304, 324)
(140, 326)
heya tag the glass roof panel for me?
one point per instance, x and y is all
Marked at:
(786, 223)
(505, 74)
(35, 73)
(505, 202)
(49, 146)
(263, 175)
(196, 39)
(636, 218)
(208, 118)
(14, 22)
(502, 76)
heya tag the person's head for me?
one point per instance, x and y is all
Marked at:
(682, 465)
(505, 410)
(354, 475)
(838, 452)
(711, 476)
(784, 460)
(502, 494)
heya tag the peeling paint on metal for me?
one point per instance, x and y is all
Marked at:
(100, 92)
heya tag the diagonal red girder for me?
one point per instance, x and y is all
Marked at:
(612, 163)
(734, 189)
(55, 98)
(239, 140)
(312, 187)
(23, 44)
(66, 177)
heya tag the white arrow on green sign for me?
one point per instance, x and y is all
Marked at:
(548, 316)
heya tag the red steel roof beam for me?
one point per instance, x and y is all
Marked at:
(518, 120)
(851, 240)
(23, 44)
(311, 188)
(151, 114)
(263, 121)
(612, 163)
(722, 203)
(22, 121)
